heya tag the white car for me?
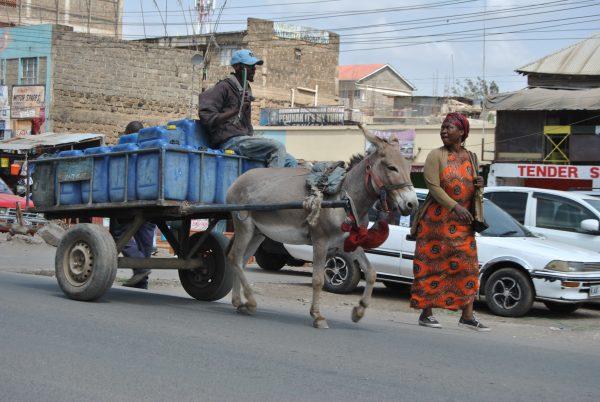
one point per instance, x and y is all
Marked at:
(567, 217)
(516, 267)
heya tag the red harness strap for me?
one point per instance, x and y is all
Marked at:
(360, 235)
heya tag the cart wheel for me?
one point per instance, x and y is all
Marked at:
(86, 262)
(214, 279)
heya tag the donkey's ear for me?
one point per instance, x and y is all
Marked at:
(372, 138)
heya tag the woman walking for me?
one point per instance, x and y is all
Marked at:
(446, 266)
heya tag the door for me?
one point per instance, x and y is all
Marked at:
(559, 218)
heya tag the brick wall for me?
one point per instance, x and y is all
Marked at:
(100, 84)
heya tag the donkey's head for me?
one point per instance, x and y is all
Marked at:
(389, 170)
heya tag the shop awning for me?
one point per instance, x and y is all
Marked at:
(546, 99)
(47, 140)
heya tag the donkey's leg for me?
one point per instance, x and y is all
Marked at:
(318, 279)
(244, 235)
(358, 312)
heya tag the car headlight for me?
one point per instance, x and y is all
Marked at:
(3, 211)
(564, 266)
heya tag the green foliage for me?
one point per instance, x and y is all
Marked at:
(477, 88)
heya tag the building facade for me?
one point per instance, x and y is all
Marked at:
(91, 83)
(97, 17)
(370, 91)
(299, 63)
(555, 121)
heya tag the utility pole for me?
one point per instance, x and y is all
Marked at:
(89, 20)
(57, 12)
(483, 114)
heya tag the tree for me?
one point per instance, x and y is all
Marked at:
(477, 88)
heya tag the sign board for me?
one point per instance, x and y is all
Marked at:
(406, 139)
(28, 101)
(288, 31)
(303, 116)
(530, 171)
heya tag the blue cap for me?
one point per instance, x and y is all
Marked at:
(245, 56)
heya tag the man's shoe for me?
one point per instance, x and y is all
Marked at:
(137, 278)
(473, 324)
(430, 322)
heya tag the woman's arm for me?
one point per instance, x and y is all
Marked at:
(432, 180)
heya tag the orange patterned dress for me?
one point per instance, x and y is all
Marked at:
(445, 266)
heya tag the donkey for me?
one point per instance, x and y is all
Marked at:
(384, 168)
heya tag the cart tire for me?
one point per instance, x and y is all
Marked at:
(214, 280)
(86, 262)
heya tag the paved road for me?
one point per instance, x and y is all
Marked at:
(135, 345)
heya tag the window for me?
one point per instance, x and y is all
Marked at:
(513, 203)
(226, 53)
(560, 214)
(297, 55)
(29, 73)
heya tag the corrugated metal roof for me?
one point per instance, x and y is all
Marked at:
(546, 99)
(582, 58)
(29, 142)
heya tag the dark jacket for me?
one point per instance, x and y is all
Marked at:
(225, 95)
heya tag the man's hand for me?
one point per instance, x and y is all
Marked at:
(479, 182)
(463, 214)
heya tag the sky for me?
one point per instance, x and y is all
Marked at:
(427, 42)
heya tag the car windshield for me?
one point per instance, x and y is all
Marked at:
(595, 203)
(4, 188)
(501, 224)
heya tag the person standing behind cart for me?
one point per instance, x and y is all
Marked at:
(142, 243)
(225, 110)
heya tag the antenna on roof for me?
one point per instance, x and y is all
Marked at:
(206, 10)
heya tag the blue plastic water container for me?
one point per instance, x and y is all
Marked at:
(175, 171)
(195, 136)
(203, 176)
(248, 164)
(128, 138)
(70, 191)
(117, 172)
(100, 176)
(169, 134)
(228, 169)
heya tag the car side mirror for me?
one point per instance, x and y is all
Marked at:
(590, 225)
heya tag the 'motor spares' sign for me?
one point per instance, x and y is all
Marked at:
(530, 171)
(28, 101)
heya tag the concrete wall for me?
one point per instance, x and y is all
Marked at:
(339, 143)
(100, 84)
(103, 17)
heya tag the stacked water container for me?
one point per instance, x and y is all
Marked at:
(203, 173)
(70, 191)
(99, 176)
(165, 167)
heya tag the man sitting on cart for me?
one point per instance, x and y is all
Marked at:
(226, 112)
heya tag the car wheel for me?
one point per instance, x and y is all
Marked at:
(509, 293)
(269, 261)
(561, 308)
(341, 274)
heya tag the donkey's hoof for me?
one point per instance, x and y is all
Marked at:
(358, 312)
(320, 323)
(246, 309)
